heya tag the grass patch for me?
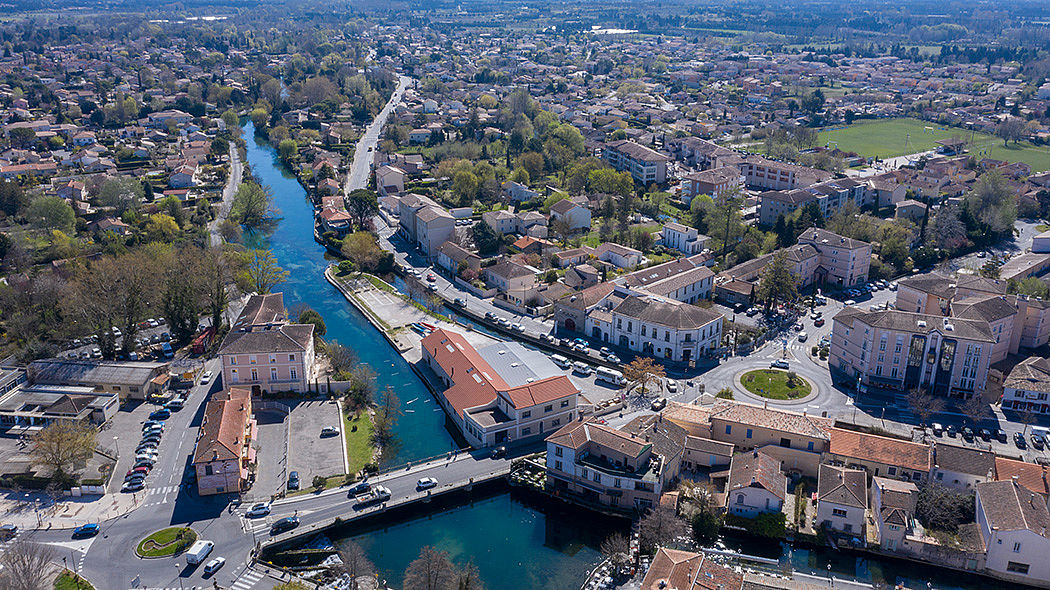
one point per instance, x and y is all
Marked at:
(773, 383)
(379, 283)
(67, 580)
(166, 542)
(358, 433)
(1042, 227)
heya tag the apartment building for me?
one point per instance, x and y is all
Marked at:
(714, 182)
(903, 350)
(879, 456)
(645, 165)
(1027, 386)
(893, 509)
(829, 196)
(266, 352)
(425, 223)
(681, 279)
(843, 261)
(224, 451)
(685, 239)
(661, 328)
(501, 393)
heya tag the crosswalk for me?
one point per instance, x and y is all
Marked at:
(247, 580)
(161, 490)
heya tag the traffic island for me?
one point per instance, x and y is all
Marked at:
(166, 542)
(776, 384)
(68, 580)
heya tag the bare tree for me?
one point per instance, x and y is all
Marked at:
(469, 578)
(660, 526)
(263, 272)
(924, 404)
(432, 570)
(26, 566)
(974, 408)
(64, 446)
(355, 563)
(642, 371)
(617, 549)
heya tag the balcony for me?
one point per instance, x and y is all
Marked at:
(649, 472)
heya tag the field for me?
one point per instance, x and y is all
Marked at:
(889, 138)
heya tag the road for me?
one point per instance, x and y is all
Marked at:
(234, 181)
(362, 164)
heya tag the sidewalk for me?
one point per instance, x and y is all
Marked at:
(34, 510)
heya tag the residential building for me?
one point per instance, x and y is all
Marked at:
(843, 261)
(672, 569)
(893, 508)
(714, 182)
(662, 328)
(842, 499)
(577, 216)
(500, 394)
(645, 165)
(516, 282)
(390, 180)
(425, 223)
(266, 352)
(685, 239)
(962, 468)
(755, 485)
(451, 255)
(754, 427)
(619, 256)
(1014, 525)
(681, 279)
(224, 453)
(880, 456)
(1027, 386)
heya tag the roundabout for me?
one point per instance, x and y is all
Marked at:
(776, 384)
(166, 542)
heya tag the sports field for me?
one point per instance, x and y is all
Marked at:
(887, 138)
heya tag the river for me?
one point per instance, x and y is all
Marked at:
(517, 544)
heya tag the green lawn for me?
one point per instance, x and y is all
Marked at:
(67, 580)
(888, 138)
(166, 542)
(773, 383)
(359, 441)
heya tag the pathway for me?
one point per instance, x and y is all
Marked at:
(234, 181)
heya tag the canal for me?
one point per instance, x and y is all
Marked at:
(516, 543)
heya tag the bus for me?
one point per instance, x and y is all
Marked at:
(609, 376)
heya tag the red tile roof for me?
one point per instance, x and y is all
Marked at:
(540, 392)
(879, 449)
(474, 381)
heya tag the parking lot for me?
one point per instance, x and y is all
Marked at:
(271, 454)
(309, 453)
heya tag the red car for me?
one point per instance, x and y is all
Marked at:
(431, 278)
(143, 470)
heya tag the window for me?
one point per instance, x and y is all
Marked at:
(255, 375)
(526, 431)
(557, 465)
(583, 473)
(616, 482)
(1017, 547)
(838, 512)
(526, 414)
(548, 408)
(892, 471)
(251, 360)
(564, 403)
(291, 357)
(740, 499)
(233, 360)
(729, 429)
(1017, 568)
(597, 477)
(667, 336)
(809, 446)
(558, 452)
(209, 470)
(940, 476)
(556, 422)
(273, 358)
(292, 374)
(273, 373)
(748, 433)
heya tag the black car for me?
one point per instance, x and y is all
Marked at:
(1037, 441)
(951, 430)
(985, 434)
(967, 434)
(1019, 440)
(285, 524)
(499, 452)
(293, 480)
(1000, 435)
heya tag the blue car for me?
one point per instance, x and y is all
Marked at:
(87, 530)
(161, 414)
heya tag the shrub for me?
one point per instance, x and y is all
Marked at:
(724, 393)
(319, 481)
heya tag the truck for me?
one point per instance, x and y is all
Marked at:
(198, 552)
(376, 494)
(203, 341)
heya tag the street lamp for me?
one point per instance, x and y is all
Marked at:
(178, 574)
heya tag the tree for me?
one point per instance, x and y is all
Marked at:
(660, 526)
(219, 146)
(120, 192)
(992, 204)
(64, 446)
(468, 578)
(355, 563)
(309, 316)
(51, 212)
(617, 549)
(287, 149)
(12, 198)
(386, 418)
(561, 228)
(1010, 129)
(941, 508)
(22, 137)
(161, 228)
(362, 249)
(464, 187)
(486, 238)
(216, 275)
(974, 408)
(924, 405)
(25, 565)
(182, 301)
(432, 570)
(362, 390)
(263, 272)
(607, 180)
(642, 371)
(362, 205)
(252, 204)
(778, 283)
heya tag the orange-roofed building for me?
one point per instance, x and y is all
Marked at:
(1030, 475)
(224, 449)
(685, 570)
(880, 456)
(501, 394)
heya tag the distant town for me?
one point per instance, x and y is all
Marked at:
(426, 296)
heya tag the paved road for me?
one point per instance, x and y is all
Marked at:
(362, 164)
(234, 181)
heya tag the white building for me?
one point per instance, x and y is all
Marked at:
(662, 328)
(755, 485)
(685, 239)
(842, 499)
(1015, 530)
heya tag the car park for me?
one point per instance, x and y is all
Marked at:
(285, 524)
(258, 510)
(426, 483)
(214, 565)
(87, 530)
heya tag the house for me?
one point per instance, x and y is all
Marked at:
(645, 165)
(962, 468)
(162, 118)
(619, 256)
(623, 469)
(501, 221)
(577, 216)
(111, 224)
(418, 136)
(224, 453)
(910, 209)
(582, 276)
(842, 499)
(1014, 525)
(328, 187)
(755, 486)
(754, 427)
(515, 281)
(672, 569)
(880, 456)
(452, 256)
(518, 192)
(335, 220)
(500, 394)
(1030, 475)
(681, 279)
(893, 508)
(662, 328)
(182, 177)
(263, 350)
(686, 240)
(390, 180)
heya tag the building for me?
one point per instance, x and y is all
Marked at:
(681, 279)
(685, 239)
(714, 183)
(451, 255)
(1027, 386)
(842, 499)
(893, 508)
(843, 261)
(25, 406)
(623, 470)
(829, 197)
(575, 215)
(224, 451)
(1014, 525)
(500, 394)
(645, 165)
(755, 427)
(962, 468)
(619, 256)
(125, 380)
(672, 569)
(903, 350)
(425, 223)
(879, 456)
(516, 282)
(266, 352)
(755, 485)
(664, 329)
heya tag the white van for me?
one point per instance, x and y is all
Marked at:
(581, 367)
(199, 551)
(561, 361)
(609, 376)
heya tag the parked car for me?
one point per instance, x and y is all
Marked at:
(8, 531)
(214, 565)
(672, 386)
(143, 470)
(1037, 441)
(1019, 440)
(161, 414)
(329, 431)
(967, 434)
(206, 377)
(87, 530)
(951, 430)
(426, 483)
(938, 430)
(293, 480)
(285, 524)
(818, 322)
(499, 452)
(1000, 435)
(985, 434)
(258, 510)
(658, 404)
(133, 486)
